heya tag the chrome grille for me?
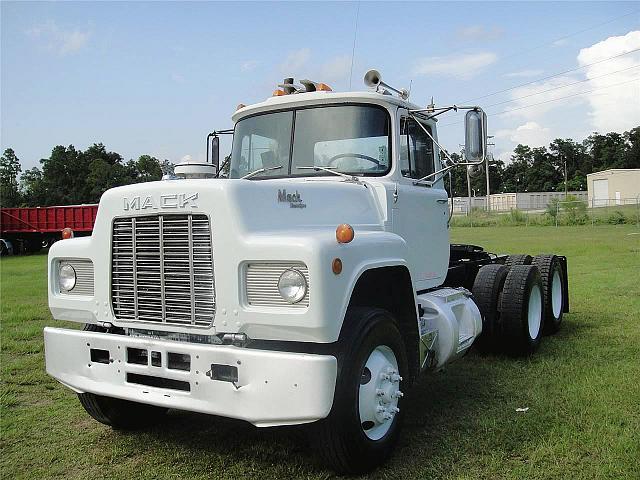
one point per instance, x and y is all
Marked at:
(162, 270)
(262, 284)
(84, 277)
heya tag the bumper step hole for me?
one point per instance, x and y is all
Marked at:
(137, 356)
(99, 356)
(179, 361)
(156, 359)
(159, 382)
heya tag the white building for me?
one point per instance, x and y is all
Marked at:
(616, 186)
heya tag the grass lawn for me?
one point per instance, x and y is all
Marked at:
(582, 389)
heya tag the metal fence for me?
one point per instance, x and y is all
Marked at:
(557, 211)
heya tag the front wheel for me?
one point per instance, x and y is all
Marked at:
(121, 414)
(363, 426)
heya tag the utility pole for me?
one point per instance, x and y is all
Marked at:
(487, 173)
(565, 179)
(462, 153)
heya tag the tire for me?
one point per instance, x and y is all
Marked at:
(116, 413)
(518, 259)
(487, 289)
(121, 414)
(553, 289)
(357, 437)
(4, 250)
(522, 310)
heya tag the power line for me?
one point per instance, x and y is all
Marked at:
(562, 86)
(569, 35)
(568, 96)
(550, 101)
(550, 76)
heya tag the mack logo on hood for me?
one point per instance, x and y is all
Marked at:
(294, 199)
(172, 200)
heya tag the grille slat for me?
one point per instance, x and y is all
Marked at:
(162, 270)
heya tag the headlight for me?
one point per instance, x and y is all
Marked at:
(292, 285)
(67, 277)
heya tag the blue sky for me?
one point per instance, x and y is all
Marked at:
(156, 77)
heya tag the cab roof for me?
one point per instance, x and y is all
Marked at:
(297, 100)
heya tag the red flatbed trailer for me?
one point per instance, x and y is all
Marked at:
(31, 228)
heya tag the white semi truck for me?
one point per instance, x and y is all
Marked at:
(312, 286)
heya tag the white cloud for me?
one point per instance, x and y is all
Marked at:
(295, 61)
(177, 77)
(530, 133)
(462, 66)
(186, 158)
(617, 108)
(56, 39)
(561, 42)
(249, 65)
(525, 73)
(478, 32)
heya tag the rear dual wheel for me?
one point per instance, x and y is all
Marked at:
(510, 300)
(553, 283)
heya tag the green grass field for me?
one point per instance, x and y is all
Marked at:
(582, 389)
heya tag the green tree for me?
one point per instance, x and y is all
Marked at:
(9, 171)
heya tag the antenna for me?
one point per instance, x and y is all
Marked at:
(353, 49)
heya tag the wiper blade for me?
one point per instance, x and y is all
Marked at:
(353, 178)
(260, 170)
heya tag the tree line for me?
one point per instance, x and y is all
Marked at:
(71, 177)
(541, 169)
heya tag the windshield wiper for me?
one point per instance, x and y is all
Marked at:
(352, 178)
(260, 170)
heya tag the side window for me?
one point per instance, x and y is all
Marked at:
(416, 149)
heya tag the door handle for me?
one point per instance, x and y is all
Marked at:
(442, 200)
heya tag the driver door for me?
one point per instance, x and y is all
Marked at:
(421, 213)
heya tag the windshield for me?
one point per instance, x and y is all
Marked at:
(353, 139)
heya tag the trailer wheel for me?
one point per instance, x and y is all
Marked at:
(553, 291)
(518, 259)
(487, 289)
(364, 423)
(522, 310)
(121, 414)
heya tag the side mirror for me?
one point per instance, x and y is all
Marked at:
(475, 135)
(215, 151)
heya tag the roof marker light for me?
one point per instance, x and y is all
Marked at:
(344, 233)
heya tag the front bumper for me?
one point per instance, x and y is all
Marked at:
(273, 388)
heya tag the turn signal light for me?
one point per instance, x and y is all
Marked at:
(323, 87)
(67, 233)
(336, 266)
(344, 233)
(240, 105)
(278, 93)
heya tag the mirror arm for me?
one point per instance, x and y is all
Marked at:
(453, 162)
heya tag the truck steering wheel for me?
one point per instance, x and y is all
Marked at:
(352, 155)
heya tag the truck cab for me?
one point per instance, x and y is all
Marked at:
(313, 285)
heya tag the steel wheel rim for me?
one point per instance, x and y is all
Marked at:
(556, 294)
(534, 314)
(379, 392)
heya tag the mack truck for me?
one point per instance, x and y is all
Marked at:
(308, 279)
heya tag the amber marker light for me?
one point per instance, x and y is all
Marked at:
(323, 87)
(240, 105)
(336, 266)
(278, 93)
(67, 233)
(344, 233)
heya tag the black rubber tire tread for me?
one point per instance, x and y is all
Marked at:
(487, 289)
(514, 307)
(339, 438)
(518, 259)
(548, 264)
(119, 414)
